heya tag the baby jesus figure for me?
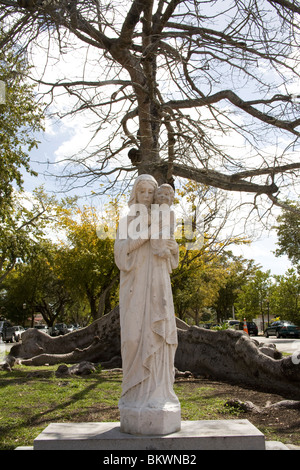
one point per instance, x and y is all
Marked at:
(163, 222)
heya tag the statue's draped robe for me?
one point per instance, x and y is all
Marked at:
(148, 327)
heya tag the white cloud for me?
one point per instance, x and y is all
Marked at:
(76, 138)
(262, 251)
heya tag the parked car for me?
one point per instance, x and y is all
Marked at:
(19, 330)
(282, 329)
(71, 328)
(252, 327)
(232, 323)
(8, 332)
(59, 329)
(4, 324)
(42, 328)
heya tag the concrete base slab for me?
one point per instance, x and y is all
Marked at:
(237, 434)
(24, 448)
(276, 445)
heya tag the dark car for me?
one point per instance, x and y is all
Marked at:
(282, 329)
(4, 324)
(59, 329)
(252, 327)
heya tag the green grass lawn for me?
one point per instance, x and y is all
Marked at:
(29, 402)
(32, 398)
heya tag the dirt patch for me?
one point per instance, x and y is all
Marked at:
(276, 424)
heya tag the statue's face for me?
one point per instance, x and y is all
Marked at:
(145, 193)
(163, 196)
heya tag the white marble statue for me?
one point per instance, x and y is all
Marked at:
(148, 404)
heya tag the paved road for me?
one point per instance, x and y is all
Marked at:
(4, 347)
(282, 344)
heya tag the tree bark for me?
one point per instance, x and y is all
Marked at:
(226, 355)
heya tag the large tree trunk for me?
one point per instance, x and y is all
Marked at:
(98, 342)
(233, 356)
(224, 355)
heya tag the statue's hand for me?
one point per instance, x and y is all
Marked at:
(172, 245)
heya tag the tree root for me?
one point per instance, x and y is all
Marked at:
(248, 406)
(226, 355)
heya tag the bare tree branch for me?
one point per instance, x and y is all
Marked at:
(244, 105)
(286, 5)
(193, 82)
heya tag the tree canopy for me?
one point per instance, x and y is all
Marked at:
(288, 232)
(57, 259)
(197, 89)
(21, 117)
(85, 262)
(24, 224)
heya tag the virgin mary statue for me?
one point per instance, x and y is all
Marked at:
(148, 404)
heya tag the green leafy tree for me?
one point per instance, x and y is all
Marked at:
(87, 265)
(238, 273)
(202, 272)
(285, 297)
(20, 118)
(22, 227)
(37, 287)
(251, 301)
(288, 232)
(196, 283)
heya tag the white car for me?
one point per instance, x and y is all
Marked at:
(19, 330)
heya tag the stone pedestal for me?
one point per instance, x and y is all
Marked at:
(237, 434)
(145, 421)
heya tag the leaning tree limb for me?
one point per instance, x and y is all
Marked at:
(226, 355)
